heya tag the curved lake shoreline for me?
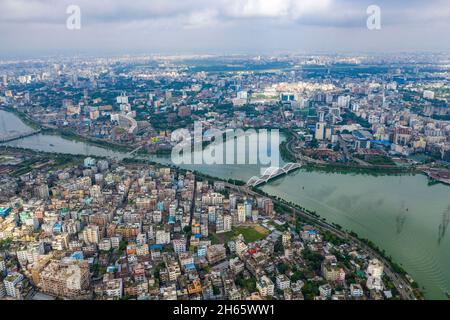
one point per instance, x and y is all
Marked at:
(400, 213)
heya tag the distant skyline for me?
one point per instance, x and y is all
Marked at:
(38, 27)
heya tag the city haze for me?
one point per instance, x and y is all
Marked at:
(38, 27)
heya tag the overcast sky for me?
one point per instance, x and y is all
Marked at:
(35, 27)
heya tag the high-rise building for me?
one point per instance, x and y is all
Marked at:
(102, 165)
(268, 207)
(11, 282)
(42, 191)
(179, 246)
(162, 237)
(2, 264)
(374, 275)
(241, 213)
(233, 201)
(343, 101)
(2, 290)
(122, 99)
(216, 253)
(286, 238)
(265, 286)
(428, 94)
(219, 223)
(320, 131)
(248, 208)
(255, 214)
(91, 234)
(227, 222)
(169, 97)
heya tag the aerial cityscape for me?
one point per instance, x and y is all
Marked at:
(262, 175)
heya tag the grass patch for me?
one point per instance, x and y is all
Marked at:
(378, 160)
(250, 233)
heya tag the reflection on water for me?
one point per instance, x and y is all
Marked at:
(444, 224)
(400, 222)
(401, 217)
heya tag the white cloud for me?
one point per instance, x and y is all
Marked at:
(274, 8)
(202, 18)
(218, 24)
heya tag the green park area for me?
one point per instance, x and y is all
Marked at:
(250, 233)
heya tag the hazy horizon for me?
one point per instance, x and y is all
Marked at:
(114, 27)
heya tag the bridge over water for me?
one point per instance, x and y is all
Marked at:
(272, 173)
(17, 136)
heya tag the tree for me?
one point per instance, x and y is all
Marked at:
(248, 284)
(337, 147)
(187, 230)
(313, 259)
(310, 290)
(282, 268)
(216, 290)
(314, 143)
(278, 248)
(122, 245)
(298, 275)
(5, 244)
(158, 270)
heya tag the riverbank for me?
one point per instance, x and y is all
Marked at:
(70, 135)
(439, 176)
(288, 155)
(374, 171)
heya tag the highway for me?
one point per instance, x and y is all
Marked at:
(298, 155)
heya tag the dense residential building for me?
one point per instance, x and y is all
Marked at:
(65, 278)
(265, 286)
(184, 241)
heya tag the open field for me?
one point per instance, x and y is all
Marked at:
(250, 233)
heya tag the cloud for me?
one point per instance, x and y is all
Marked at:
(291, 9)
(190, 12)
(199, 19)
(217, 24)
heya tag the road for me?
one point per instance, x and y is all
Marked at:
(191, 213)
(298, 155)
